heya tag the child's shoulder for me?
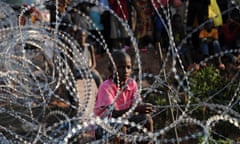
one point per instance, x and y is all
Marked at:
(107, 82)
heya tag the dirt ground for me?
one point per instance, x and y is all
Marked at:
(149, 61)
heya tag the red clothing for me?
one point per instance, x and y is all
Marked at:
(228, 34)
(158, 3)
(120, 7)
(144, 25)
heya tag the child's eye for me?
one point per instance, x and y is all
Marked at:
(123, 67)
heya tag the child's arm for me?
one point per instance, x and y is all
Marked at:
(93, 58)
(145, 108)
(118, 113)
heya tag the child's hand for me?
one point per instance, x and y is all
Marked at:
(145, 108)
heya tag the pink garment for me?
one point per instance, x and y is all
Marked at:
(108, 91)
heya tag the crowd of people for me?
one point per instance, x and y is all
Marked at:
(150, 22)
(153, 25)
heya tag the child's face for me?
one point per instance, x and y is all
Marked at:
(124, 68)
(208, 26)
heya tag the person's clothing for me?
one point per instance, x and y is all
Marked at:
(205, 47)
(197, 9)
(119, 34)
(87, 56)
(178, 33)
(214, 13)
(205, 34)
(95, 15)
(104, 2)
(79, 16)
(120, 7)
(65, 20)
(117, 29)
(144, 25)
(80, 20)
(84, 62)
(229, 33)
(105, 16)
(108, 92)
(158, 23)
(159, 29)
(158, 4)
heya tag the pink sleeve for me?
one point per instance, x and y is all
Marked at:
(104, 98)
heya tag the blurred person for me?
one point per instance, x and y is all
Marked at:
(65, 19)
(118, 32)
(95, 12)
(178, 35)
(79, 16)
(230, 34)
(197, 12)
(209, 41)
(105, 17)
(144, 23)
(89, 55)
(31, 16)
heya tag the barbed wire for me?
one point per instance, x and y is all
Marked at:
(37, 74)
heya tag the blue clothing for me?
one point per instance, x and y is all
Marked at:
(96, 18)
(104, 2)
(159, 27)
(205, 47)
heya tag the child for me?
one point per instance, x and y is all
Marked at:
(108, 92)
(209, 37)
(88, 52)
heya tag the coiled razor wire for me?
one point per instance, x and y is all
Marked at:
(35, 71)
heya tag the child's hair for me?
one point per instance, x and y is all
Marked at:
(118, 56)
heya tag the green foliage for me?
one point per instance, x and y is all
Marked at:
(209, 81)
(203, 84)
(219, 141)
(227, 141)
(206, 81)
